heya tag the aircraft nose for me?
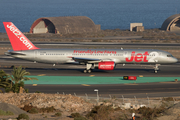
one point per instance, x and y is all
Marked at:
(175, 60)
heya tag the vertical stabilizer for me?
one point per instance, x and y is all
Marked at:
(18, 40)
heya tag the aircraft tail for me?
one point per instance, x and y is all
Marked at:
(18, 40)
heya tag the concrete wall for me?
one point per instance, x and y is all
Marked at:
(134, 25)
(64, 25)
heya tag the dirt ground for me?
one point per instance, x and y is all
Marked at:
(116, 35)
(68, 104)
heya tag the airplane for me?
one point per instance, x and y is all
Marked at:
(103, 59)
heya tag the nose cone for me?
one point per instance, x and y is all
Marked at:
(175, 60)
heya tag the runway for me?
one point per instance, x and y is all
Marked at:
(166, 89)
(144, 90)
(171, 70)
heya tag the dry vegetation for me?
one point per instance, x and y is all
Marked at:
(149, 35)
(106, 110)
(154, 35)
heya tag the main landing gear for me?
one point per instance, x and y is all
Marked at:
(88, 68)
(156, 68)
(87, 71)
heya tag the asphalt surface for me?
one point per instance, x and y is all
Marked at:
(165, 89)
(100, 45)
(171, 70)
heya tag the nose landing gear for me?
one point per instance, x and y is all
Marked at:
(156, 68)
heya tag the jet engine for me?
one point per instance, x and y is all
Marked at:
(106, 65)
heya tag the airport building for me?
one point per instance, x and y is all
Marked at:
(64, 25)
(172, 23)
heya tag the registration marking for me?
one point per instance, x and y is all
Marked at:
(34, 85)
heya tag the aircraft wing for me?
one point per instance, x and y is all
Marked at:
(89, 60)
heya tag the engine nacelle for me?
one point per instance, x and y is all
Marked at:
(107, 65)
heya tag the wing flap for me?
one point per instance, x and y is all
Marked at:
(89, 60)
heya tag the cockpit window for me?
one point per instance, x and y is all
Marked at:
(169, 55)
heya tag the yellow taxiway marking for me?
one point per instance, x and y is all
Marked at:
(91, 75)
(85, 85)
(42, 75)
(140, 75)
(34, 85)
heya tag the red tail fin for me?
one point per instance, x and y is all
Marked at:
(18, 40)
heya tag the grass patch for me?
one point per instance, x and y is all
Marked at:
(80, 118)
(58, 114)
(6, 112)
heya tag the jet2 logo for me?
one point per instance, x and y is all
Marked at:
(137, 57)
(21, 37)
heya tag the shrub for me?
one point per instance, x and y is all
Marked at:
(50, 109)
(74, 115)
(6, 112)
(80, 118)
(23, 116)
(33, 111)
(7, 90)
(100, 112)
(15, 87)
(37, 92)
(58, 114)
(27, 90)
(168, 99)
(47, 109)
(21, 84)
(150, 113)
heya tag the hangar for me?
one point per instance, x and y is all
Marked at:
(64, 25)
(172, 23)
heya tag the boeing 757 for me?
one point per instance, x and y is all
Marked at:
(103, 59)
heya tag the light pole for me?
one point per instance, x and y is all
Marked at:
(96, 90)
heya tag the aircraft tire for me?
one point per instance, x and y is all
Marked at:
(89, 71)
(85, 71)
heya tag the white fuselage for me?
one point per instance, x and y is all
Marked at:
(57, 56)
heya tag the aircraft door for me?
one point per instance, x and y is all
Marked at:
(125, 55)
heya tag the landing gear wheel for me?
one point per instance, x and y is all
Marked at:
(85, 71)
(89, 71)
(156, 68)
